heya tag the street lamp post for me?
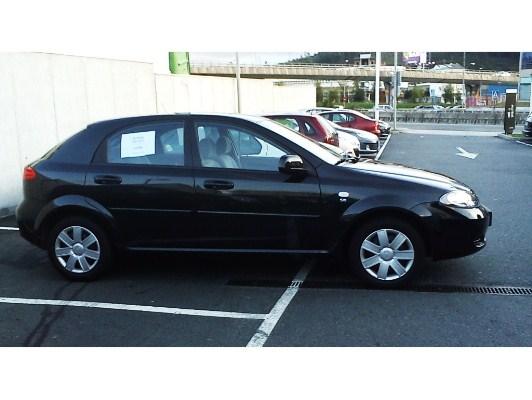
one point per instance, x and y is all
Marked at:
(377, 82)
(519, 74)
(463, 82)
(237, 83)
(395, 90)
(530, 94)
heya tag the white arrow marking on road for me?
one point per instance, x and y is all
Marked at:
(466, 154)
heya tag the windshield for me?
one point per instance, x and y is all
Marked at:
(322, 152)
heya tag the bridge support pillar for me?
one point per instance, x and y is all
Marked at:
(387, 92)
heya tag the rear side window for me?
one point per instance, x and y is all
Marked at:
(310, 129)
(159, 143)
(289, 123)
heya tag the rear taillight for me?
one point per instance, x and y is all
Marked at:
(29, 174)
(331, 140)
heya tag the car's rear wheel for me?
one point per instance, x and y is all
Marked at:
(386, 253)
(79, 248)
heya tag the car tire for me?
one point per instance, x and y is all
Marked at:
(386, 252)
(79, 248)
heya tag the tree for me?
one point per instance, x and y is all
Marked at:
(448, 94)
(319, 93)
(417, 94)
(359, 94)
(334, 96)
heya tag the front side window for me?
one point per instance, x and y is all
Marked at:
(147, 144)
(338, 117)
(226, 146)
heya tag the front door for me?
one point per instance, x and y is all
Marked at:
(243, 201)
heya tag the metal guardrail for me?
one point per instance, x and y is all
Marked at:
(451, 117)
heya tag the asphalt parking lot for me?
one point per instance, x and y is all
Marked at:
(270, 300)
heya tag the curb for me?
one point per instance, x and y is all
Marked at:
(509, 137)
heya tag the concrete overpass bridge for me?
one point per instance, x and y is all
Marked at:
(364, 73)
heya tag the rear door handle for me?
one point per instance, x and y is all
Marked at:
(218, 185)
(107, 179)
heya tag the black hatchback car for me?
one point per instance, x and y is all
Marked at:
(234, 183)
(527, 130)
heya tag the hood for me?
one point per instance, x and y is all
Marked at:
(409, 174)
(350, 139)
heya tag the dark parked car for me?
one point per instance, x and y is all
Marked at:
(429, 107)
(233, 183)
(527, 130)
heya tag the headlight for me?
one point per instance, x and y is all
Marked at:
(459, 198)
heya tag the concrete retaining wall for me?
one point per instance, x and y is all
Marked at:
(44, 98)
(183, 93)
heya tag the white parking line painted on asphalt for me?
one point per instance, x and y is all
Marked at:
(526, 144)
(133, 307)
(466, 154)
(265, 329)
(383, 146)
(8, 228)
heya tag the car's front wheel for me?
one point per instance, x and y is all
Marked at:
(387, 252)
(79, 248)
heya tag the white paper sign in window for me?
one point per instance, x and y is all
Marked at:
(137, 144)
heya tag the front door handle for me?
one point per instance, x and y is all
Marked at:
(107, 179)
(218, 185)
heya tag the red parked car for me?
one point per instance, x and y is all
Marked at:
(352, 119)
(308, 125)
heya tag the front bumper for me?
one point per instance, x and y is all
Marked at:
(527, 130)
(369, 149)
(454, 232)
(26, 215)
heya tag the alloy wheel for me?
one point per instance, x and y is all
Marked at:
(77, 249)
(387, 254)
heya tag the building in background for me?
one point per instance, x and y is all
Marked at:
(525, 76)
(414, 58)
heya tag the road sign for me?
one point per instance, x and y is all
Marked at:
(509, 111)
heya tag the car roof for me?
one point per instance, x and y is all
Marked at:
(150, 117)
(291, 114)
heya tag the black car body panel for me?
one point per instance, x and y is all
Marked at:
(527, 130)
(193, 208)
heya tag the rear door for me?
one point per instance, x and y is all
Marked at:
(143, 175)
(243, 201)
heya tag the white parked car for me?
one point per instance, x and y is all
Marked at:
(349, 143)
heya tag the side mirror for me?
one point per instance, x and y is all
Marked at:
(291, 164)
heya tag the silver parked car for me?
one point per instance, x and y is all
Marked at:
(369, 143)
